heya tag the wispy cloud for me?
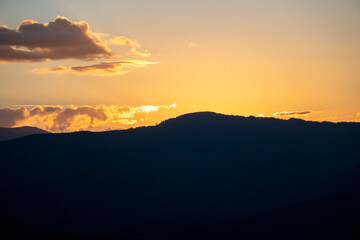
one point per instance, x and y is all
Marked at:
(123, 41)
(293, 113)
(111, 68)
(75, 118)
(134, 51)
(59, 69)
(102, 69)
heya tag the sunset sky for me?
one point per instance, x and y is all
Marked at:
(114, 64)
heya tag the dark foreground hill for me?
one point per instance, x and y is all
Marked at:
(199, 176)
(12, 133)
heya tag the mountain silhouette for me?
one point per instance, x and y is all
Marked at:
(198, 176)
(12, 133)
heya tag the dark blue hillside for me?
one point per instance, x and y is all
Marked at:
(176, 179)
(12, 133)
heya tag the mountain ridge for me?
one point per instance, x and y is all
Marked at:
(157, 182)
(197, 118)
(13, 133)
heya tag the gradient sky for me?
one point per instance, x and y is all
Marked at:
(281, 58)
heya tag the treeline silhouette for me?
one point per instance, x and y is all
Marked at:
(198, 176)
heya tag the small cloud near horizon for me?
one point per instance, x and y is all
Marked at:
(293, 113)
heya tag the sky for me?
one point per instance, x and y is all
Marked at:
(101, 65)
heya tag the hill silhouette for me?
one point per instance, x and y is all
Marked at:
(198, 176)
(12, 133)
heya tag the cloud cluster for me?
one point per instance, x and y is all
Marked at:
(71, 118)
(66, 39)
(292, 113)
(60, 39)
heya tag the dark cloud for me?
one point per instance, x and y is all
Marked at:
(111, 67)
(292, 113)
(9, 116)
(104, 66)
(65, 39)
(60, 39)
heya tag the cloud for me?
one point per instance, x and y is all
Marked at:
(134, 51)
(90, 116)
(42, 111)
(111, 68)
(75, 118)
(292, 113)
(59, 69)
(59, 39)
(102, 69)
(121, 41)
(10, 117)
(66, 39)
